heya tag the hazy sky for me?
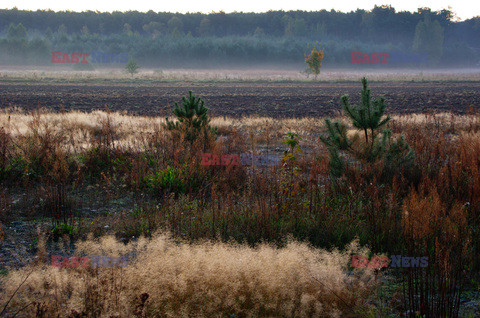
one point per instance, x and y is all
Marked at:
(465, 9)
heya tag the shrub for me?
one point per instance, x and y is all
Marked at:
(314, 61)
(167, 180)
(192, 120)
(132, 67)
(348, 153)
(62, 229)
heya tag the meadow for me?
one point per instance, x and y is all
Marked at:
(237, 241)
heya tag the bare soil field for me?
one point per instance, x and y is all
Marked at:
(280, 100)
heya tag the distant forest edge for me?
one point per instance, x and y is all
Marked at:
(225, 39)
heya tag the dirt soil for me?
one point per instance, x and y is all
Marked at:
(278, 100)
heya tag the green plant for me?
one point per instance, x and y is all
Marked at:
(290, 186)
(61, 229)
(192, 119)
(292, 141)
(14, 169)
(314, 61)
(96, 160)
(132, 67)
(290, 159)
(169, 180)
(368, 117)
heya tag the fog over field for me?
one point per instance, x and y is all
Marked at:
(365, 38)
(274, 73)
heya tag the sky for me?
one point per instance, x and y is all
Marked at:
(464, 9)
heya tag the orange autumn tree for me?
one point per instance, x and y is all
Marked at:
(314, 61)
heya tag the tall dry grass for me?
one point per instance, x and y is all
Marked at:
(119, 156)
(442, 234)
(167, 278)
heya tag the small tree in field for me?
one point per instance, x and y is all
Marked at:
(367, 117)
(314, 61)
(132, 67)
(192, 120)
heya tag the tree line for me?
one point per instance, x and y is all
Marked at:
(274, 36)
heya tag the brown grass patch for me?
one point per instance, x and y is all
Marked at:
(204, 279)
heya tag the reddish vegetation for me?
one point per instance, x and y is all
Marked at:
(430, 208)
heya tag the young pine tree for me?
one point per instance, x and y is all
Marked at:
(368, 117)
(192, 119)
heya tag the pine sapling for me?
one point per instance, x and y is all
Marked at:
(192, 119)
(368, 117)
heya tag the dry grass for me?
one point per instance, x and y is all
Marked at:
(79, 128)
(220, 75)
(204, 279)
(246, 205)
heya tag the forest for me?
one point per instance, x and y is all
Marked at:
(222, 39)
